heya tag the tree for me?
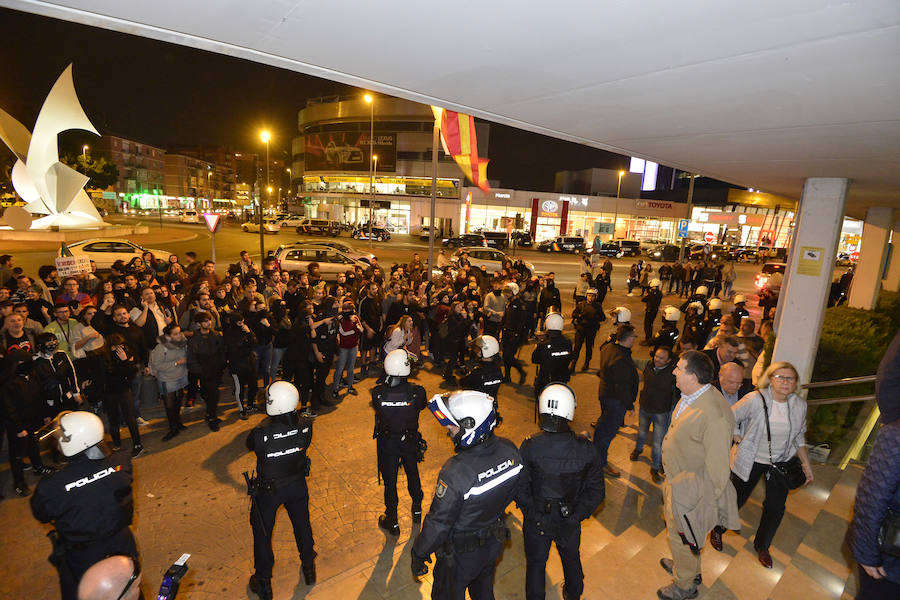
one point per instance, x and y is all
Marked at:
(102, 173)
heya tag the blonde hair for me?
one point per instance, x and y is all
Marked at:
(765, 379)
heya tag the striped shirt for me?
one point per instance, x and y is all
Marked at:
(688, 400)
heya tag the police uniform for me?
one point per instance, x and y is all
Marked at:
(91, 506)
(486, 377)
(562, 485)
(465, 522)
(515, 321)
(653, 299)
(667, 336)
(739, 312)
(397, 437)
(280, 444)
(586, 317)
(552, 356)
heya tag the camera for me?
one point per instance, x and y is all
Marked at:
(169, 587)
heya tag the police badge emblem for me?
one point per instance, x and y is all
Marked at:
(441, 489)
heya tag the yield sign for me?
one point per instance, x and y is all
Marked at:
(213, 221)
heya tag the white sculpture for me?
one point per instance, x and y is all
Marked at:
(48, 186)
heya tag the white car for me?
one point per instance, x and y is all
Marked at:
(296, 258)
(347, 249)
(269, 226)
(105, 252)
(190, 216)
(492, 260)
(286, 220)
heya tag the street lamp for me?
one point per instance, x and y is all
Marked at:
(616, 217)
(370, 100)
(265, 136)
(84, 150)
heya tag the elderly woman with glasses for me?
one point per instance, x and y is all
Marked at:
(770, 428)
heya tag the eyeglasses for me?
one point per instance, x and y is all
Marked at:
(134, 575)
(784, 378)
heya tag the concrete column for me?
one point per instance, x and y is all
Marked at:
(867, 280)
(892, 281)
(807, 281)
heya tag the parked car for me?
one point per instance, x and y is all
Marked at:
(347, 249)
(190, 216)
(716, 252)
(104, 252)
(522, 239)
(562, 244)
(269, 226)
(779, 254)
(296, 258)
(379, 234)
(425, 233)
(745, 255)
(288, 220)
(664, 252)
(322, 226)
(496, 239)
(490, 259)
(465, 240)
(771, 276)
(846, 259)
(607, 249)
(630, 247)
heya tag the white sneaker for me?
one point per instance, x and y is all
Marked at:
(142, 422)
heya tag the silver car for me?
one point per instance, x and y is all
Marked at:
(331, 262)
(347, 249)
(491, 259)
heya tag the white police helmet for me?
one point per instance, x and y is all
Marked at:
(557, 399)
(592, 291)
(654, 283)
(698, 306)
(512, 287)
(472, 412)
(78, 431)
(671, 313)
(702, 290)
(397, 362)
(281, 398)
(739, 298)
(623, 315)
(554, 322)
(488, 344)
(715, 304)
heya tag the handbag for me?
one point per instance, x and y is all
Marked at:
(790, 472)
(889, 534)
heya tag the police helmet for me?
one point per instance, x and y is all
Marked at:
(555, 404)
(554, 322)
(623, 315)
(739, 298)
(281, 398)
(672, 314)
(488, 344)
(654, 283)
(78, 431)
(698, 306)
(472, 412)
(592, 291)
(397, 362)
(512, 287)
(715, 304)
(46, 343)
(702, 290)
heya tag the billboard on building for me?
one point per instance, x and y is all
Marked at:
(349, 151)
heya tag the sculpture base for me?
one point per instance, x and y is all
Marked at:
(71, 235)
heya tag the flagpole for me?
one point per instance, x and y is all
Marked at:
(434, 159)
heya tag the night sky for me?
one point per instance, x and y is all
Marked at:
(165, 94)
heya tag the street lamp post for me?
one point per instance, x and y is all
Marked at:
(616, 217)
(265, 136)
(84, 150)
(690, 200)
(371, 102)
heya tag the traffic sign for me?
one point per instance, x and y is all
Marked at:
(683, 228)
(213, 221)
(709, 237)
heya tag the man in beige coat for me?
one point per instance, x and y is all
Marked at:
(698, 493)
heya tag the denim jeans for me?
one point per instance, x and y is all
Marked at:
(660, 427)
(277, 355)
(346, 361)
(263, 360)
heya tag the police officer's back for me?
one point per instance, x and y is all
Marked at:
(487, 376)
(397, 404)
(464, 525)
(668, 335)
(89, 502)
(552, 355)
(562, 485)
(280, 443)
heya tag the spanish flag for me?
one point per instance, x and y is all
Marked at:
(458, 140)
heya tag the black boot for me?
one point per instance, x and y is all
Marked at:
(309, 572)
(417, 514)
(261, 587)
(522, 376)
(391, 526)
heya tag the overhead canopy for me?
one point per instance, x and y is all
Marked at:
(762, 94)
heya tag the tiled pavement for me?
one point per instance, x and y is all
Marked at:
(190, 497)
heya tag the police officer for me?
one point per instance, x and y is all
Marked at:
(487, 376)
(280, 443)
(514, 330)
(89, 501)
(465, 526)
(586, 318)
(740, 308)
(653, 299)
(699, 295)
(668, 334)
(397, 405)
(562, 485)
(621, 316)
(695, 326)
(552, 355)
(713, 313)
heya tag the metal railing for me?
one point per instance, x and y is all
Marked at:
(866, 430)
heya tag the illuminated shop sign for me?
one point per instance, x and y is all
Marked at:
(654, 204)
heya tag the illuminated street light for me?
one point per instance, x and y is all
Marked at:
(370, 100)
(265, 136)
(84, 150)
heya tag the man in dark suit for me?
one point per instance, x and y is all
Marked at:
(725, 352)
(731, 383)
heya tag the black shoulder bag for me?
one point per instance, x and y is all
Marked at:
(790, 472)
